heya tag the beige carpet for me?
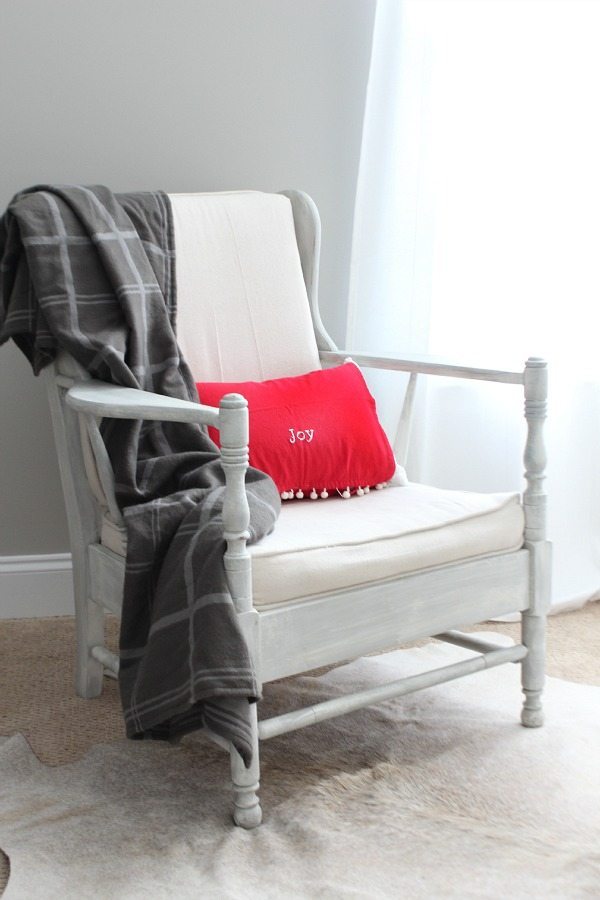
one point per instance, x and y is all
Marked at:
(383, 750)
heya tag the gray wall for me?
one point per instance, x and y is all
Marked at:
(182, 95)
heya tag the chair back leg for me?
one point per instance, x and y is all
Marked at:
(89, 626)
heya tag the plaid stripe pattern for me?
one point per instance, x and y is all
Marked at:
(93, 273)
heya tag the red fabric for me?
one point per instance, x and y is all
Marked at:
(317, 431)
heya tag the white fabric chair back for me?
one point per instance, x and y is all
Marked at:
(243, 312)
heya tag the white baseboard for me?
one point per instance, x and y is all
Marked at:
(37, 585)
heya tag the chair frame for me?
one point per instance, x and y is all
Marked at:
(302, 635)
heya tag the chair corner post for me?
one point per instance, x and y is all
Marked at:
(533, 619)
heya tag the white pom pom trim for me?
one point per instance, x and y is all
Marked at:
(360, 491)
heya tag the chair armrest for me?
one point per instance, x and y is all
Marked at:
(97, 398)
(423, 365)
(533, 377)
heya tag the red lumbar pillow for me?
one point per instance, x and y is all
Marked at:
(314, 434)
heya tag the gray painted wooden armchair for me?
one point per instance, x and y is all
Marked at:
(330, 583)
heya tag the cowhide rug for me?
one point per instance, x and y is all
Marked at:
(438, 794)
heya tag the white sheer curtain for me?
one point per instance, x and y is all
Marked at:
(477, 238)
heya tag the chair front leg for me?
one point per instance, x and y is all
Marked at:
(246, 805)
(533, 619)
(233, 419)
(533, 636)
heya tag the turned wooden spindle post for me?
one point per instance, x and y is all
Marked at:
(533, 620)
(233, 423)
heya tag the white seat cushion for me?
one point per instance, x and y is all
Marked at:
(327, 545)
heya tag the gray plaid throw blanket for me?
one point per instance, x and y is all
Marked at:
(93, 273)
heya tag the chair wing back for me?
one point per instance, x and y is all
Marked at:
(242, 307)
